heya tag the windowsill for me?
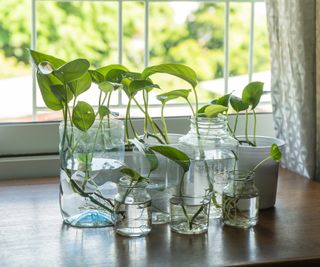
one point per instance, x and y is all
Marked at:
(33, 234)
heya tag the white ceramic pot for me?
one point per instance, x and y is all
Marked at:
(266, 177)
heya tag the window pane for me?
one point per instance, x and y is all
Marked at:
(15, 71)
(190, 33)
(71, 30)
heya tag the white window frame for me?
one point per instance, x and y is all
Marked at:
(31, 149)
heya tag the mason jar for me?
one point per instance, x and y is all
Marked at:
(213, 153)
(132, 208)
(240, 200)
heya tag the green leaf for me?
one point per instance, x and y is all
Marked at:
(72, 70)
(212, 111)
(83, 116)
(38, 57)
(60, 91)
(106, 87)
(49, 98)
(103, 111)
(134, 175)
(80, 85)
(237, 104)
(202, 109)
(223, 100)
(165, 97)
(139, 85)
(148, 153)
(174, 154)
(252, 93)
(104, 70)
(115, 75)
(96, 76)
(178, 70)
(275, 153)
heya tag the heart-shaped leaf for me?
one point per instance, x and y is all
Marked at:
(138, 85)
(96, 76)
(49, 98)
(148, 153)
(252, 93)
(223, 100)
(178, 70)
(115, 75)
(237, 104)
(212, 111)
(165, 97)
(202, 109)
(174, 154)
(80, 85)
(60, 91)
(83, 116)
(103, 111)
(104, 70)
(72, 70)
(134, 175)
(275, 153)
(106, 87)
(38, 57)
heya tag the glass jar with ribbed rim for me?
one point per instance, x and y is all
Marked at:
(213, 152)
(240, 200)
(132, 208)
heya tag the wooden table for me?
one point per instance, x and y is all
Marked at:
(32, 233)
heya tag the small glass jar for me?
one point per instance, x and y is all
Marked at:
(240, 200)
(189, 215)
(212, 151)
(132, 209)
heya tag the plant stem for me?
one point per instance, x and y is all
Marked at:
(246, 129)
(254, 127)
(164, 125)
(260, 163)
(145, 100)
(191, 107)
(126, 120)
(235, 124)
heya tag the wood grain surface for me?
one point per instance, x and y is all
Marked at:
(32, 233)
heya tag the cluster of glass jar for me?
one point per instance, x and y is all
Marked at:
(210, 189)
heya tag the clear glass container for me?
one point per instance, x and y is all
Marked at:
(162, 180)
(90, 164)
(189, 215)
(212, 151)
(132, 209)
(240, 200)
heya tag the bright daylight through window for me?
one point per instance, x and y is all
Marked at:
(225, 42)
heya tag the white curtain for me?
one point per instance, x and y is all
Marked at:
(292, 35)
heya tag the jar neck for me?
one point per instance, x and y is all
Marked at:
(241, 178)
(125, 184)
(209, 126)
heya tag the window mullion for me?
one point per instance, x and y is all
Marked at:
(251, 44)
(226, 46)
(120, 42)
(146, 33)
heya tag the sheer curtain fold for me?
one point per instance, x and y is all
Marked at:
(295, 96)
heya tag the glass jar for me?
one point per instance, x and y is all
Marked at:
(162, 180)
(132, 209)
(212, 151)
(240, 200)
(189, 215)
(90, 164)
